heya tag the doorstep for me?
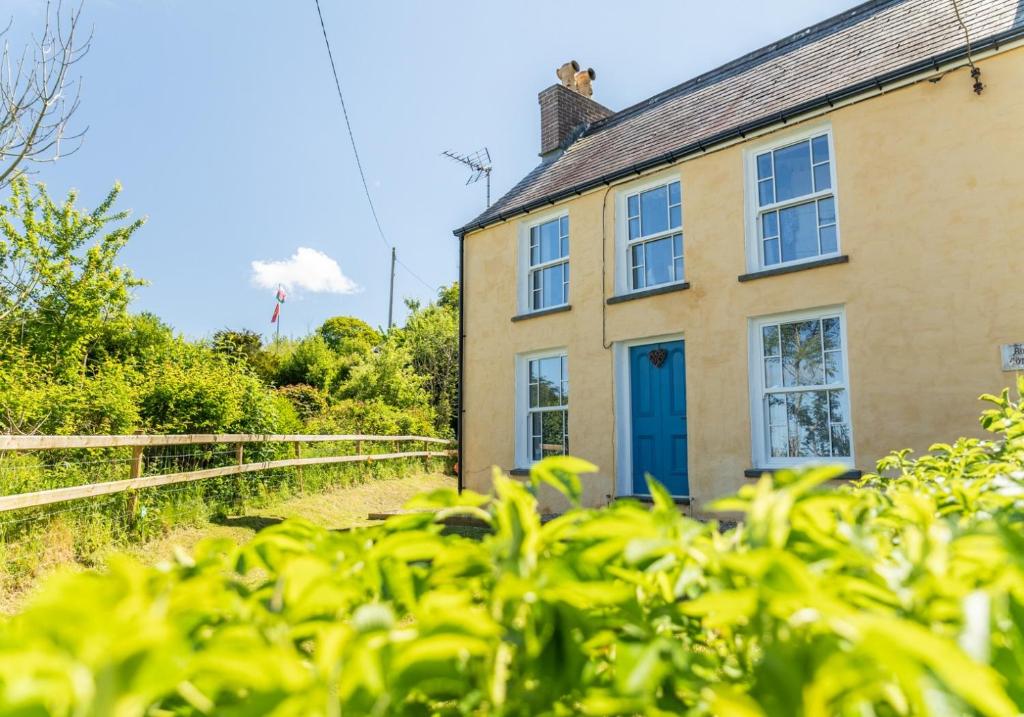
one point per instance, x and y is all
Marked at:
(682, 502)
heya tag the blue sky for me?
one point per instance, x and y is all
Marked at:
(222, 122)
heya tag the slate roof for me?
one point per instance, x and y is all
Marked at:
(860, 50)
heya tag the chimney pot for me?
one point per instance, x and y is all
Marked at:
(567, 106)
(583, 80)
(567, 74)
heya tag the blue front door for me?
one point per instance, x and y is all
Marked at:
(657, 379)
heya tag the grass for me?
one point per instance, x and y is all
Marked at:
(336, 507)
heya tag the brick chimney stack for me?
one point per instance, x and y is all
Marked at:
(566, 107)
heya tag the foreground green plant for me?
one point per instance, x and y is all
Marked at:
(900, 596)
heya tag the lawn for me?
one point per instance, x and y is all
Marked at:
(338, 508)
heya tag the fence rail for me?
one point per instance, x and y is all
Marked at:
(139, 443)
(38, 443)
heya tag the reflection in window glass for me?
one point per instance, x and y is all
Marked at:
(548, 407)
(548, 279)
(655, 243)
(796, 218)
(805, 396)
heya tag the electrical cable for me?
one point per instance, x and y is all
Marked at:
(979, 86)
(355, 151)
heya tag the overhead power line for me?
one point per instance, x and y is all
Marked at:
(355, 151)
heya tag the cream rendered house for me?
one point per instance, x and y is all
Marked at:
(814, 253)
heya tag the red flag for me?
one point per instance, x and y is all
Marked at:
(277, 313)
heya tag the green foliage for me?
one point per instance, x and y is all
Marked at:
(344, 334)
(386, 375)
(60, 283)
(431, 336)
(903, 595)
(195, 390)
(373, 417)
(132, 339)
(307, 401)
(246, 346)
(33, 400)
(310, 362)
(242, 344)
(74, 361)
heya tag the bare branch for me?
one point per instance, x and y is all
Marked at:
(37, 96)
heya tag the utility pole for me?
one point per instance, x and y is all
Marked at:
(391, 293)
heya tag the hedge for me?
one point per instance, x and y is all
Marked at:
(901, 595)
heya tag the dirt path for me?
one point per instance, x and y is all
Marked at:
(342, 507)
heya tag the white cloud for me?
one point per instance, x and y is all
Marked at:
(307, 269)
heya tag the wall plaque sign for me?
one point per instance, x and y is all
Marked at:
(1013, 357)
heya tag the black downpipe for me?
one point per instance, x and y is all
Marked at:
(460, 431)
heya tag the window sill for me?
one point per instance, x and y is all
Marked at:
(841, 259)
(852, 474)
(644, 293)
(542, 312)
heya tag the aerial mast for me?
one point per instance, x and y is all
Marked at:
(479, 163)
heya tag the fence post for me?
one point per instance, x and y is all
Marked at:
(135, 472)
(298, 469)
(239, 453)
(359, 448)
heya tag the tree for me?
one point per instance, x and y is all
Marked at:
(386, 374)
(311, 362)
(38, 96)
(431, 336)
(246, 345)
(60, 283)
(342, 331)
(135, 338)
(243, 343)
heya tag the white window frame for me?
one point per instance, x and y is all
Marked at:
(523, 458)
(623, 283)
(761, 454)
(755, 256)
(526, 270)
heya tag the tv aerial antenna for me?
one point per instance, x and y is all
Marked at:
(479, 163)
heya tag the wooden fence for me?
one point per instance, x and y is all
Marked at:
(139, 443)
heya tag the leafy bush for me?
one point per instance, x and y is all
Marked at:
(195, 390)
(343, 333)
(900, 596)
(310, 362)
(431, 336)
(307, 401)
(373, 417)
(130, 339)
(33, 400)
(386, 375)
